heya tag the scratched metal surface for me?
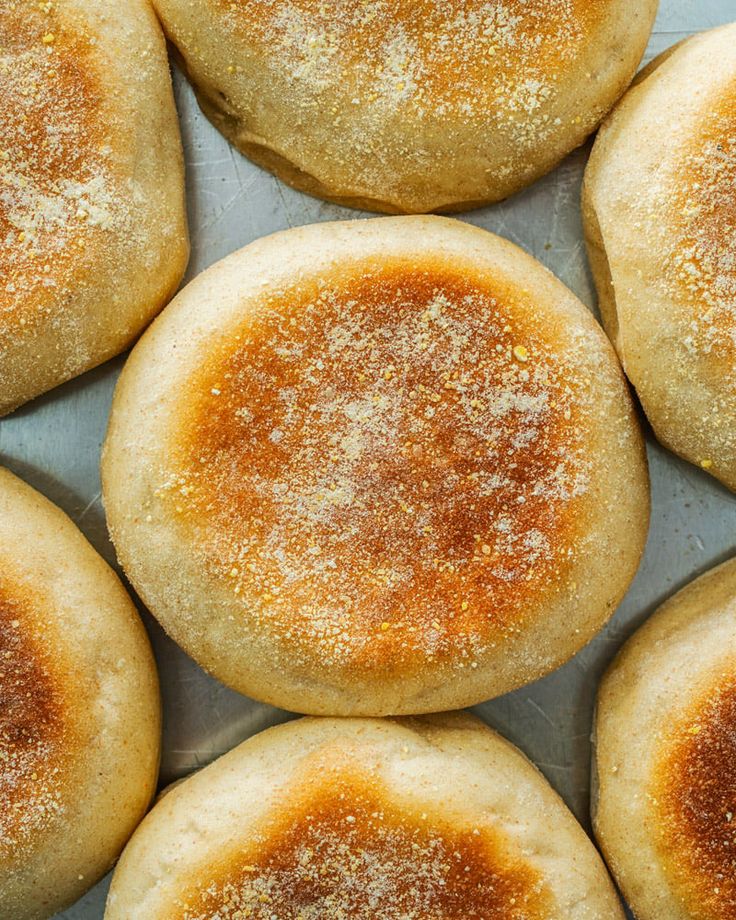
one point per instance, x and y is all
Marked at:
(54, 443)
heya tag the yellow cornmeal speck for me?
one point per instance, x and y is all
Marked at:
(706, 464)
(521, 353)
(49, 38)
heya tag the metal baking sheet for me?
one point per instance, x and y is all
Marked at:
(54, 443)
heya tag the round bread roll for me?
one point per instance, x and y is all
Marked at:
(665, 806)
(660, 205)
(376, 467)
(329, 819)
(93, 237)
(79, 710)
(408, 105)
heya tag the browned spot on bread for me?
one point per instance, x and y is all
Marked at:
(344, 850)
(57, 193)
(389, 468)
(468, 58)
(702, 262)
(696, 798)
(34, 733)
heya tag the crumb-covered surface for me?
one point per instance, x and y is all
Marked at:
(59, 191)
(388, 470)
(429, 58)
(665, 740)
(702, 258)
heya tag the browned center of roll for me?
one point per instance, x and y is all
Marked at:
(346, 850)
(55, 187)
(451, 57)
(703, 257)
(696, 799)
(387, 468)
(33, 729)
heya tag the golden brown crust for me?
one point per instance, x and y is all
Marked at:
(348, 848)
(388, 467)
(695, 794)
(36, 736)
(452, 57)
(82, 209)
(56, 182)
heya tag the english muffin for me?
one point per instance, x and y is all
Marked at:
(325, 819)
(408, 105)
(378, 467)
(665, 803)
(93, 237)
(79, 710)
(660, 205)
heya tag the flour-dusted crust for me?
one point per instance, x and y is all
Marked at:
(93, 237)
(665, 792)
(660, 209)
(378, 467)
(330, 819)
(79, 710)
(408, 105)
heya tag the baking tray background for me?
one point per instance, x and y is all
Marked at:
(54, 443)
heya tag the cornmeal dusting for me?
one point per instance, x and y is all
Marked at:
(389, 469)
(370, 65)
(702, 260)
(349, 853)
(696, 800)
(33, 731)
(58, 193)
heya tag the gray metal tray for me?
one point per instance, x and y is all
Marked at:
(54, 443)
